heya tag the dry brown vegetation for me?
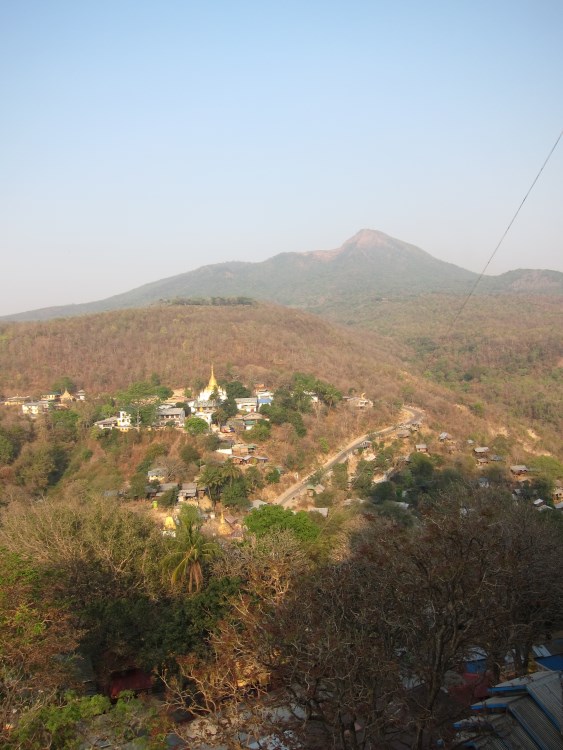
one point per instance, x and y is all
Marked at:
(108, 351)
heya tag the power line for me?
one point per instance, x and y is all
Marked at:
(462, 308)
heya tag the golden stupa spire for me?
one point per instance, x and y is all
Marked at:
(212, 382)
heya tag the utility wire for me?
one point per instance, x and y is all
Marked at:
(462, 308)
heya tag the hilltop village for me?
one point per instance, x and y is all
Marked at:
(232, 424)
(170, 528)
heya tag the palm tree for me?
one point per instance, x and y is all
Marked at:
(230, 472)
(212, 477)
(191, 550)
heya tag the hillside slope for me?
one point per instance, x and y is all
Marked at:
(109, 350)
(368, 266)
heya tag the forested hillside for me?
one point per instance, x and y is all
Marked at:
(502, 358)
(107, 351)
(504, 351)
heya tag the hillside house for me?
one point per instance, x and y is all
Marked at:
(157, 474)
(34, 408)
(444, 436)
(53, 397)
(16, 400)
(121, 422)
(402, 434)
(480, 450)
(247, 405)
(124, 421)
(166, 487)
(263, 395)
(421, 448)
(106, 424)
(203, 409)
(252, 420)
(518, 470)
(188, 492)
(241, 460)
(170, 415)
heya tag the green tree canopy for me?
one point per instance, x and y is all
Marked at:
(270, 517)
(196, 426)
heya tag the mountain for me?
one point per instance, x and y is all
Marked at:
(368, 266)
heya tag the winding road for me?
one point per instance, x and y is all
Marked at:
(298, 488)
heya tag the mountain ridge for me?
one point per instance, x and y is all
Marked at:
(369, 264)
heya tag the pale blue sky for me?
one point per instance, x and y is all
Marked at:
(140, 139)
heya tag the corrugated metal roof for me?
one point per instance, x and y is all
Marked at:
(497, 703)
(488, 743)
(536, 723)
(549, 696)
(512, 734)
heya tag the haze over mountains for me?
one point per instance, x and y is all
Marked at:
(367, 266)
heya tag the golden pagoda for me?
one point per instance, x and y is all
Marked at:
(213, 384)
(212, 388)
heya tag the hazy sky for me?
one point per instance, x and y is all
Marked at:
(139, 140)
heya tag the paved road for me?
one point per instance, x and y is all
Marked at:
(299, 487)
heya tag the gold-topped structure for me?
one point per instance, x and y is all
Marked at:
(212, 388)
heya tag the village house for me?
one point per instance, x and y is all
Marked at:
(203, 409)
(187, 491)
(157, 474)
(240, 449)
(264, 395)
(170, 415)
(421, 448)
(480, 450)
(53, 397)
(16, 400)
(166, 487)
(195, 494)
(518, 470)
(122, 422)
(34, 408)
(247, 405)
(252, 420)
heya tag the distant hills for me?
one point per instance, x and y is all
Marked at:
(368, 266)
